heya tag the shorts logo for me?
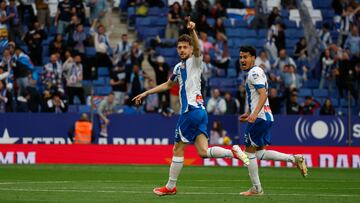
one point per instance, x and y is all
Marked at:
(319, 129)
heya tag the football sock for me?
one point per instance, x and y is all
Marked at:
(175, 169)
(274, 155)
(219, 152)
(254, 171)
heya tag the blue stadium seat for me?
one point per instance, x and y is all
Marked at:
(247, 33)
(228, 23)
(215, 82)
(99, 82)
(289, 24)
(211, 21)
(328, 14)
(344, 102)
(90, 51)
(304, 92)
(73, 108)
(334, 94)
(159, 21)
(84, 109)
(45, 51)
(228, 82)
(262, 33)
(240, 23)
(156, 11)
(312, 84)
(320, 93)
(167, 52)
(103, 71)
(232, 72)
(143, 22)
(335, 102)
(284, 13)
(103, 91)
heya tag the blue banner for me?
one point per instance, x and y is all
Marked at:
(24, 128)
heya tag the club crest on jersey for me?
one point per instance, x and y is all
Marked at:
(199, 99)
(255, 76)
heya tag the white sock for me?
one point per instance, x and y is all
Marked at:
(254, 171)
(219, 152)
(274, 155)
(175, 169)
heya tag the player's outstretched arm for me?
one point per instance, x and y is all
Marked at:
(195, 39)
(160, 88)
(262, 99)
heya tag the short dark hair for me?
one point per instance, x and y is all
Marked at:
(185, 38)
(249, 49)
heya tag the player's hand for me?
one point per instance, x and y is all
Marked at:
(138, 99)
(190, 25)
(252, 118)
(243, 117)
(107, 121)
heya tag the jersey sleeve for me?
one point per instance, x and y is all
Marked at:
(257, 78)
(197, 61)
(174, 74)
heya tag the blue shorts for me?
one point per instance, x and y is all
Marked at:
(191, 124)
(258, 134)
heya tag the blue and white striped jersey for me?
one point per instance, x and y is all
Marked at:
(255, 80)
(188, 75)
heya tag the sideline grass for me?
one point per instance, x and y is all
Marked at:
(132, 183)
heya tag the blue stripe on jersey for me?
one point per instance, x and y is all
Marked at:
(268, 116)
(173, 77)
(259, 86)
(248, 94)
(184, 102)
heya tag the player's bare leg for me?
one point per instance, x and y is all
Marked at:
(201, 144)
(174, 172)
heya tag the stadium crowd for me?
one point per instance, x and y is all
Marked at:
(50, 49)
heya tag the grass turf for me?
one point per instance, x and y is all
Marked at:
(132, 183)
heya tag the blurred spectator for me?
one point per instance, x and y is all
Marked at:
(232, 104)
(52, 74)
(241, 97)
(136, 54)
(33, 97)
(14, 22)
(78, 38)
(291, 79)
(219, 26)
(122, 51)
(327, 108)
(204, 43)
(280, 41)
(55, 105)
(218, 136)
(338, 6)
(79, 9)
(344, 76)
(218, 11)
(152, 102)
(6, 61)
(5, 98)
(325, 36)
(74, 75)
(57, 45)
(270, 45)
(98, 10)
(274, 80)
(283, 60)
(352, 42)
(216, 104)
(222, 56)
(292, 106)
(82, 131)
(300, 49)
(174, 21)
(118, 83)
(187, 9)
(345, 24)
(33, 39)
(165, 110)
(275, 101)
(202, 25)
(261, 15)
(263, 61)
(106, 107)
(326, 71)
(136, 82)
(23, 67)
(71, 28)
(26, 11)
(274, 16)
(174, 98)
(309, 106)
(53, 7)
(288, 4)
(208, 70)
(43, 14)
(162, 73)
(4, 19)
(102, 45)
(202, 7)
(63, 16)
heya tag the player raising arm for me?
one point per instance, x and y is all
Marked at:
(193, 120)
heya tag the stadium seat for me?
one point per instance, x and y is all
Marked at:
(312, 84)
(215, 82)
(344, 102)
(228, 82)
(155, 11)
(320, 93)
(304, 92)
(99, 82)
(103, 91)
(334, 94)
(228, 23)
(84, 109)
(232, 72)
(73, 109)
(90, 51)
(103, 71)
(159, 21)
(335, 102)
(143, 22)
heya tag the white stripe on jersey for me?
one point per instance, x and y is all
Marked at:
(257, 79)
(188, 75)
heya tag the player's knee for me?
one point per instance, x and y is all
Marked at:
(178, 151)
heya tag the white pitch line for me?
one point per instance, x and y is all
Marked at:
(180, 193)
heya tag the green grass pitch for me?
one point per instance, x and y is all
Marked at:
(132, 183)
